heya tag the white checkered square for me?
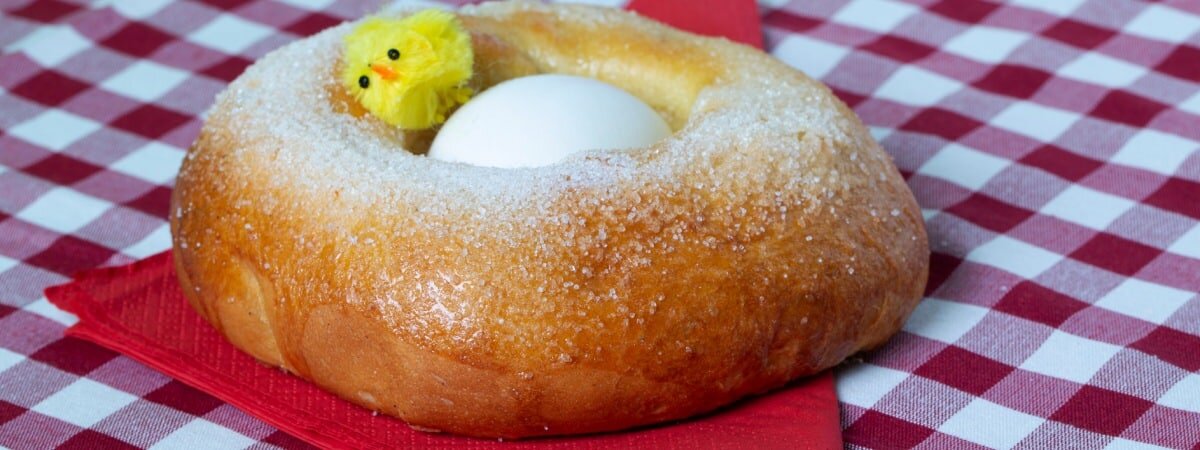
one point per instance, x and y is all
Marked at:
(1164, 23)
(1093, 67)
(1087, 207)
(7, 263)
(417, 5)
(138, 9)
(943, 320)
(312, 5)
(1151, 302)
(1014, 256)
(1070, 357)
(880, 133)
(813, 57)
(915, 86)
(155, 162)
(989, 424)
(9, 359)
(44, 308)
(987, 44)
(1188, 244)
(876, 15)
(1056, 7)
(229, 33)
(1155, 151)
(1192, 104)
(145, 80)
(64, 210)
(155, 242)
(1034, 120)
(202, 434)
(84, 402)
(54, 129)
(51, 45)
(963, 166)
(864, 384)
(1184, 395)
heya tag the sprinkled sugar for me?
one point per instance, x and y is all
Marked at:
(751, 154)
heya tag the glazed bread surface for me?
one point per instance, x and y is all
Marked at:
(768, 238)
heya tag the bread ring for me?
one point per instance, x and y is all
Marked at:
(768, 238)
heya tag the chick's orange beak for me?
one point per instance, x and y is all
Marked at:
(384, 71)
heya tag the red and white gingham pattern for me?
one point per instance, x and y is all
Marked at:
(1054, 147)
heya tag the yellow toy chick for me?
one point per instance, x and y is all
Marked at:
(409, 72)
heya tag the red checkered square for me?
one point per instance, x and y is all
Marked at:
(794, 23)
(1061, 162)
(284, 440)
(849, 98)
(312, 23)
(899, 48)
(69, 254)
(9, 411)
(155, 202)
(226, 5)
(50, 88)
(1029, 300)
(1079, 34)
(137, 39)
(878, 430)
(184, 398)
(1173, 346)
(985, 211)
(1013, 80)
(968, 11)
(1124, 107)
(227, 69)
(1115, 253)
(1101, 410)
(1177, 195)
(63, 169)
(941, 265)
(46, 10)
(150, 121)
(88, 439)
(1184, 63)
(74, 355)
(941, 122)
(964, 370)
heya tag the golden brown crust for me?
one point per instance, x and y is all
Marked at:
(591, 306)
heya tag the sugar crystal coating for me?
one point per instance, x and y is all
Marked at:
(752, 161)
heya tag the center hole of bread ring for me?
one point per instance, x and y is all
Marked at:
(541, 119)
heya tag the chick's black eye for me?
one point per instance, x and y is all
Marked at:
(393, 54)
(364, 82)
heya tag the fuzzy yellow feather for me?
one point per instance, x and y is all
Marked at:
(409, 72)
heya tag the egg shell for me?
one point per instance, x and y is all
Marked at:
(539, 120)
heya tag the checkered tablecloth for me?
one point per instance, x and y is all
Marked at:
(1054, 146)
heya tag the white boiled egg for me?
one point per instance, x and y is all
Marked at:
(539, 120)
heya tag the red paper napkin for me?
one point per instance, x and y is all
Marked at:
(139, 310)
(734, 19)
